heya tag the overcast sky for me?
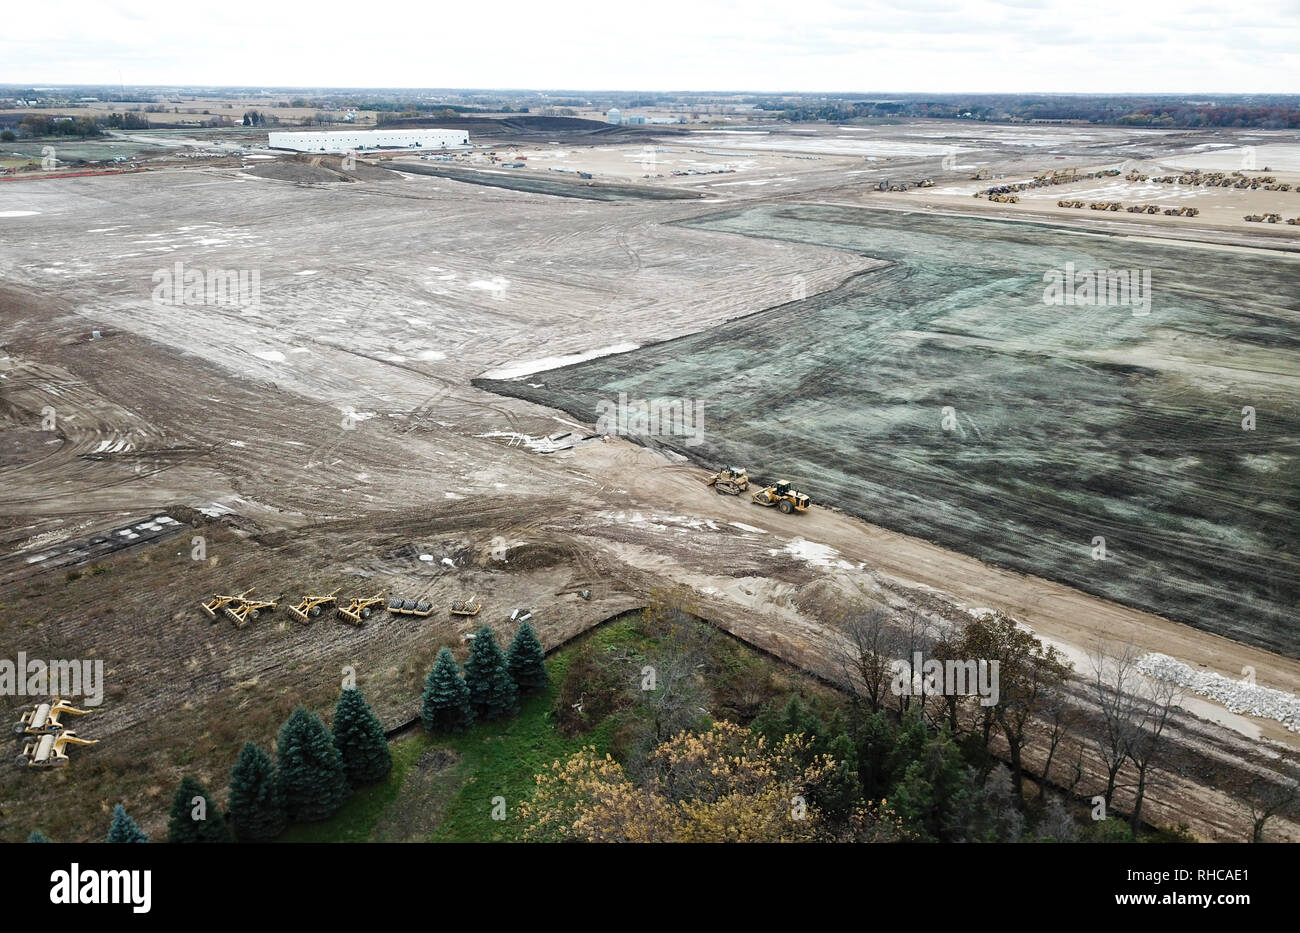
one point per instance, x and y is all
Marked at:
(1112, 46)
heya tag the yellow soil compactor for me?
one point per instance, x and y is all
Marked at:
(784, 497)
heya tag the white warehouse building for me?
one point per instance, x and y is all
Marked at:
(358, 140)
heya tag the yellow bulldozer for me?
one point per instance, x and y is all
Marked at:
(784, 497)
(730, 480)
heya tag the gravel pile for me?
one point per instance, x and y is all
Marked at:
(1239, 696)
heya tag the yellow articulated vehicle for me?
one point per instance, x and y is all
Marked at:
(732, 480)
(784, 497)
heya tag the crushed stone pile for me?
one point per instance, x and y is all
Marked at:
(1238, 696)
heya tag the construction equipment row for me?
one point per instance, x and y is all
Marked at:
(1133, 209)
(355, 610)
(1223, 180)
(1046, 179)
(50, 738)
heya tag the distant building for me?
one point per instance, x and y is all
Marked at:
(635, 119)
(357, 140)
(614, 115)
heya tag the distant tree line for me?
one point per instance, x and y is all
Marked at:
(1262, 112)
(37, 125)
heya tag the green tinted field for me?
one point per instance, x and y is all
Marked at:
(1067, 423)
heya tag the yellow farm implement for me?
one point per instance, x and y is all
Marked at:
(358, 610)
(309, 607)
(43, 719)
(218, 603)
(465, 607)
(48, 750)
(248, 610)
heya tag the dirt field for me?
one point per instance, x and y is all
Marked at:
(321, 430)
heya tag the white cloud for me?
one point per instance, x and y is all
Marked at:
(763, 45)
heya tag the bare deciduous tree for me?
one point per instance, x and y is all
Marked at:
(868, 655)
(1144, 742)
(1267, 797)
(1060, 716)
(1114, 689)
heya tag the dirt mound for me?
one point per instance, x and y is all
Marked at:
(530, 556)
(298, 171)
(311, 169)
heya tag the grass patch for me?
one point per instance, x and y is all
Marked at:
(359, 816)
(497, 762)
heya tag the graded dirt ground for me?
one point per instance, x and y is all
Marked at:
(329, 428)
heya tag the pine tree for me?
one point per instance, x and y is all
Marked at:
(256, 807)
(313, 784)
(38, 836)
(124, 828)
(839, 791)
(359, 737)
(444, 705)
(184, 826)
(876, 737)
(526, 661)
(492, 693)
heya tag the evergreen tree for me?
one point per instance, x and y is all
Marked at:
(124, 828)
(792, 719)
(359, 737)
(444, 705)
(876, 737)
(492, 693)
(935, 796)
(183, 826)
(838, 792)
(526, 661)
(913, 800)
(256, 807)
(312, 781)
(38, 836)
